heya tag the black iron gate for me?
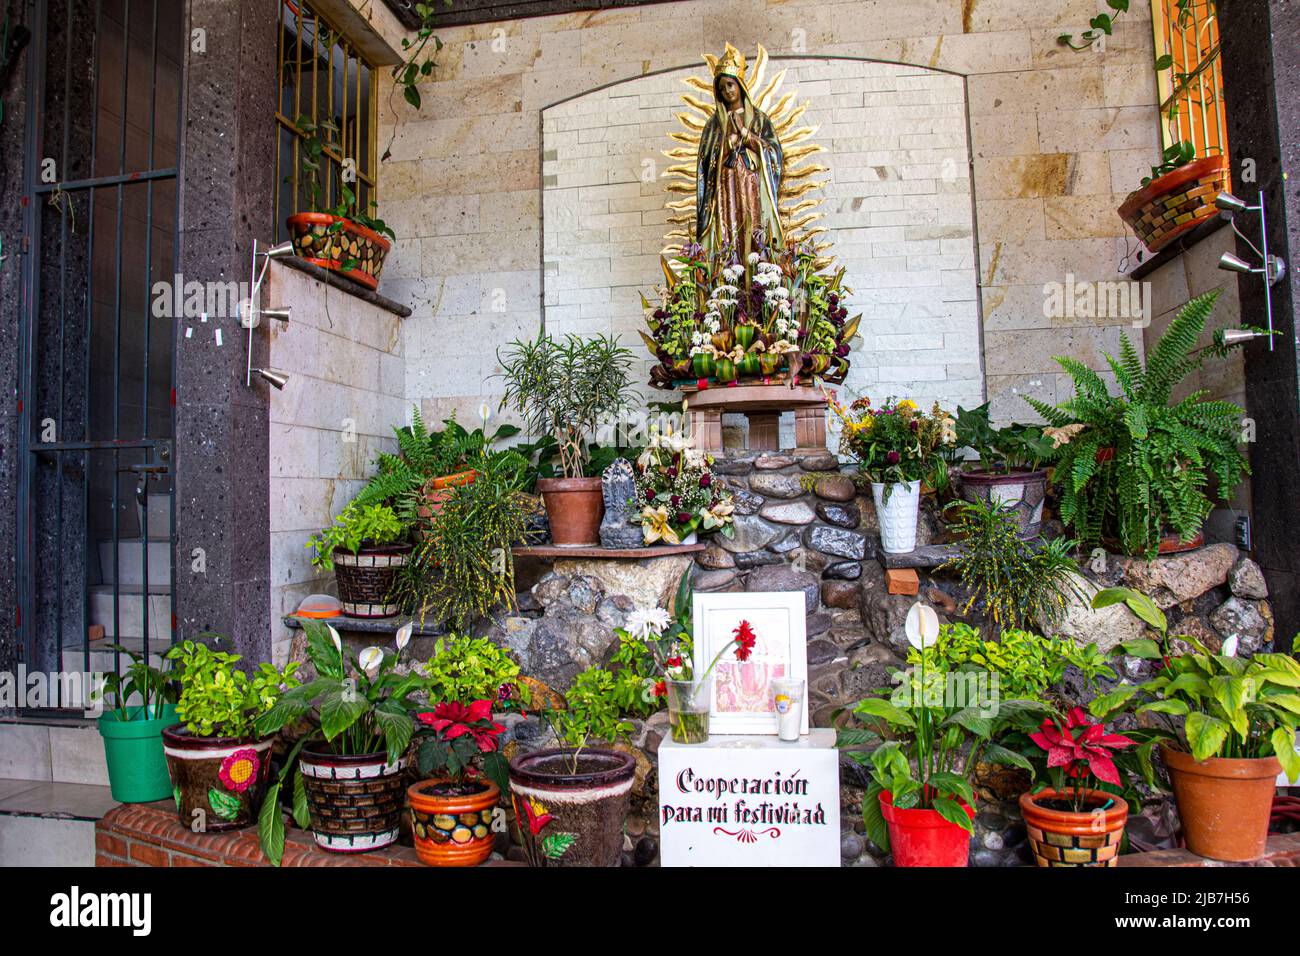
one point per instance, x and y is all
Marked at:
(95, 390)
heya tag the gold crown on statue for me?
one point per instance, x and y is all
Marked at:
(732, 64)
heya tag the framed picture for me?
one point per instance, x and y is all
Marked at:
(741, 702)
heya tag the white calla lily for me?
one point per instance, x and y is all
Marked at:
(921, 626)
(334, 636)
(404, 635)
(1229, 648)
(370, 659)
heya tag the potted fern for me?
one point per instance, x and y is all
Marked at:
(1135, 469)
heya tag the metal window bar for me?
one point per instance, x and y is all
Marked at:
(36, 311)
(1191, 109)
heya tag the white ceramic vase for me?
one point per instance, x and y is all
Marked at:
(897, 516)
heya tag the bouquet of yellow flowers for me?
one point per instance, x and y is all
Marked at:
(897, 442)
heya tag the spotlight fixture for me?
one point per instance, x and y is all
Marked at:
(281, 314)
(1230, 203)
(1230, 263)
(1239, 336)
(279, 252)
(273, 376)
(1272, 268)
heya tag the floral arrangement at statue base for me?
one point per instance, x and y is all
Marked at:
(677, 493)
(756, 312)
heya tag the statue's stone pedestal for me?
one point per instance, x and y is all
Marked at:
(762, 405)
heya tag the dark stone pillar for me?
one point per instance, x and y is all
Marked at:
(1261, 78)
(222, 445)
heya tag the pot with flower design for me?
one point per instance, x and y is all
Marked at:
(454, 810)
(676, 492)
(897, 447)
(218, 763)
(347, 784)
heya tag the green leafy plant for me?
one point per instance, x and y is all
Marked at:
(356, 526)
(1019, 583)
(420, 59)
(217, 699)
(1013, 447)
(318, 140)
(465, 669)
(1214, 705)
(1132, 465)
(591, 711)
(564, 388)
(155, 686)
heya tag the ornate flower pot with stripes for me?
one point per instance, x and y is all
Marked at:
(366, 579)
(355, 801)
(1179, 200)
(217, 782)
(1060, 837)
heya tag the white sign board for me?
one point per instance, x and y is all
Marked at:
(750, 801)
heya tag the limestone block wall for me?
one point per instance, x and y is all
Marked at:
(1056, 139)
(897, 207)
(329, 423)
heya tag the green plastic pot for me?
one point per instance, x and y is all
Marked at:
(133, 748)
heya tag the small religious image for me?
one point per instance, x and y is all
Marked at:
(742, 686)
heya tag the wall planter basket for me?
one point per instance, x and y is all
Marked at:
(574, 507)
(133, 750)
(452, 822)
(355, 801)
(1179, 200)
(1065, 838)
(216, 781)
(572, 816)
(366, 579)
(1023, 490)
(1224, 803)
(919, 837)
(312, 242)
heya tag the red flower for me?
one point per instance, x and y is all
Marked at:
(674, 661)
(1082, 753)
(891, 457)
(452, 720)
(745, 640)
(536, 814)
(661, 689)
(239, 770)
(705, 480)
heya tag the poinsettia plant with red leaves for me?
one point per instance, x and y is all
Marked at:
(459, 741)
(1079, 753)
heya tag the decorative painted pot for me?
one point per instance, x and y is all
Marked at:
(355, 801)
(217, 782)
(1179, 200)
(133, 750)
(452, 828)
(437, 490)
(1170, 543)
(366, 579)
(1023, 490)
(703, 364)
(897, 516)
(1067, 838)
(1224, 803)
(314, 242)
(574, 507)
(725, 369)
(572, 815)
(919, 837)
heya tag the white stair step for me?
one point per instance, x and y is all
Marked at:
(50, 824)
(130, 612)
(52, 751)
(130, 562)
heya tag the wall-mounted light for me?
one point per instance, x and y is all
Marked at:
(1272, 267)
(279, 251)
(273, 376)
(281, 314)
(251, 313)
(1239, 336)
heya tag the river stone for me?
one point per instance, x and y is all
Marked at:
(1106, 627)
(783, 577)
(788, 512)
(884, 614)
(852, 846)
(775, 485)
(745, 502)
(585, 593)
(1174, 578)
(773, 462)
(819, 461)
(752, 534)
(843, 571)
(842, 594)
(819, 623)
(560, 645)
(715, 558)
(757, 559)
(786, 544)
(846, 515)
(837, 542)
(1242, 619)
(836, 488)
(1247, 580)
(649, 582)
(808, 560)
(821, 652)
(733, 465)
(712, 580)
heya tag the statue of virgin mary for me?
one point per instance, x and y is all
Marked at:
(738, 167)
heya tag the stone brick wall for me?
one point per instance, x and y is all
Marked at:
(329, 423)
(1056, 138)
(897, 208)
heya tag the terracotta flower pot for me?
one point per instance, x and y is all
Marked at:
(1064, 838)
(352, 242)
(1224, 803)
(1171, 204)
(920, 837)
(574, 506)
(452, 829)
(436, 491)
(1024, 490)
(568, 816)
(217, 782)
(366, 579)
(355, 801)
